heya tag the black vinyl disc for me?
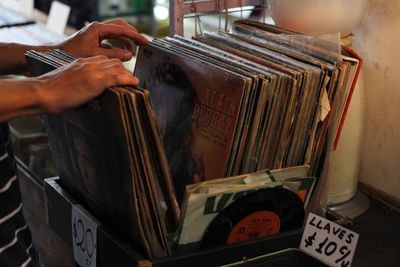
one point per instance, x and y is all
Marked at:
(263, 213)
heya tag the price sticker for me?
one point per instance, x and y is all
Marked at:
(84, 237)
(329, 242)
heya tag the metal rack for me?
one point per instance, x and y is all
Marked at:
(183, 9)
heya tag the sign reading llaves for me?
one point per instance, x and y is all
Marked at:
(328, 241)
(84, 237)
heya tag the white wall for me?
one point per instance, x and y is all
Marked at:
(378, 41)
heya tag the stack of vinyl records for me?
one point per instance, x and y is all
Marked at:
(255, 98)
(244, 207)
(227, 104)
(110, 157)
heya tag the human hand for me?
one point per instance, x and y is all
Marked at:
(88, 41)
(80, 81)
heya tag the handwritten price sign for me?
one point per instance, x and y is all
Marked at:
(84, 237)
(328, 241)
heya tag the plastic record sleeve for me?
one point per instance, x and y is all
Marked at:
(263, 213)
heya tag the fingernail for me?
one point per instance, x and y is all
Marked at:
(136, 80)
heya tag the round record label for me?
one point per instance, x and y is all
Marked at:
(258, 224)
(263, 213)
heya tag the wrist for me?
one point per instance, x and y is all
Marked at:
(20, 97)
(65, 45)
(39, 96)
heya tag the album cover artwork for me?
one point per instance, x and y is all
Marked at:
(197, 105)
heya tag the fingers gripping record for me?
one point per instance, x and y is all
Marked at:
(82, 80)
(89, 41)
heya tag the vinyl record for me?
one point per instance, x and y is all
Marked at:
(263, 213)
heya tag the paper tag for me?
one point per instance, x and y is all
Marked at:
(324, 105)
(84, 237)
(58, 17)
(26, 7)
(329, 242)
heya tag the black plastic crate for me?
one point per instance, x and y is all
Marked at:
(112, 251)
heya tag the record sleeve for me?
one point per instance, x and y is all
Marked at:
(284, 97)
(263, 213)
(263, 86)
(198, 105)
(204, 201)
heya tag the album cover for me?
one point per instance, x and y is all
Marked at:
(263, 85)
(204, 201)
(198, 106)
(250, 95)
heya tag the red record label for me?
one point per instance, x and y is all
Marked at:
(258, 224)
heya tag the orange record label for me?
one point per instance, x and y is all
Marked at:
(258, 224)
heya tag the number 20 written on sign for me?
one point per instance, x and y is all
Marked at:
(83, 239)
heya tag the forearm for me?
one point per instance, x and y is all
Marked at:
(12, 59)
(20, 97)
